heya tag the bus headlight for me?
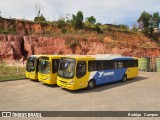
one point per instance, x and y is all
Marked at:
(48, 78)
(71, 82)
(32, 74)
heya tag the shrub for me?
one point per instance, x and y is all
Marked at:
(40, 18)
(125, 27)
(61, 23)
(97, 29)
(64, 31)
(8, 31)
(71, 41)
(91, 19)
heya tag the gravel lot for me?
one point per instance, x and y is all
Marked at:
(138, 94)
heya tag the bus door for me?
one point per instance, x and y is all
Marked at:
(81, 75)
(55, 63)
(37, 63)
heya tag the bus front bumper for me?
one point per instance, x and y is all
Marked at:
(47, 80)
(65, 85)
(32, 75)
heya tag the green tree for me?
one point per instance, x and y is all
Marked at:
(91, 19)
(144, 18)
(77, 20)
(156, 20)
(40, 18)
(146, 21)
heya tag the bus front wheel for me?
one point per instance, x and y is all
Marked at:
(91, 84)
(124, 78)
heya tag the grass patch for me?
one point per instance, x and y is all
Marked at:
(72, 41)
(147, 45)
(11, 72)
(8, 31)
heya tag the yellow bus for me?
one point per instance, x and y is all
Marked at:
(76, 72)
(48, 67)
(32, 67)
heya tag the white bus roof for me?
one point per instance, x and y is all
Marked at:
(101, 56)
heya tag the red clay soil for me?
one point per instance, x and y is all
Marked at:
(15, 47)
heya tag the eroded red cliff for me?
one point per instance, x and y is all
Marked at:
(16, 47)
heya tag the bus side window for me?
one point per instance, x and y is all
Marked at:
(110, 65)
(99, 65)
(129, 63)
(105, 65)
(55, 64)
(92, 65)
(125, 64)
(120, 64)
(81, 69)
(115, 65)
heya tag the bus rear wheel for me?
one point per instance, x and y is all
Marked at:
(91, 84)
(124, 78)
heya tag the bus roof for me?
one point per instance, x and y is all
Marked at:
(43, 55)
(35, 56)
(52, 56)
(103, 57)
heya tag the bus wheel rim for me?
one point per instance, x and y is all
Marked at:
(124, 78)
(91, 84)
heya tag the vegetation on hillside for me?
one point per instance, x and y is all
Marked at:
(147, 23)
(40, 18)
(77, 20)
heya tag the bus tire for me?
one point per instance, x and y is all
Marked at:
(91, 84)
(124, 78)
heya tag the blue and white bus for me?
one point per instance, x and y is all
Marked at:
(76, 72)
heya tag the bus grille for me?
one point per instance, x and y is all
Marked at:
(63, 82)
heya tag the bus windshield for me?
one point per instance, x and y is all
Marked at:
(31, 64)
(44, 66)
(66, 67)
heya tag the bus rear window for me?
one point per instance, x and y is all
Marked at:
(132, 63)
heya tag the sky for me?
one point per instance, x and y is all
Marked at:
(105, 11)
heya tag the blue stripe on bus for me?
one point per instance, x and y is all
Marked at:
(107, 76)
